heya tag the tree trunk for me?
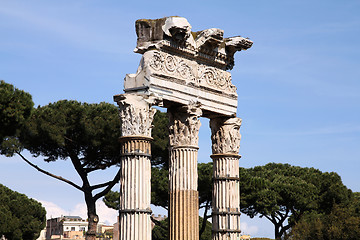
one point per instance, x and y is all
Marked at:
(203, 226)
(93, 218)
(277, 232)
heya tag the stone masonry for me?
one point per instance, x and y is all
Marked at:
(186, 72)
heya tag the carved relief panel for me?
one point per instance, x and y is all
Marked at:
(200, 75)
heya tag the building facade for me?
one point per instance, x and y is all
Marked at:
(70, 227)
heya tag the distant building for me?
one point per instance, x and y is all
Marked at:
(106, 232)
(116, 229)
(70, 227)
(73, 227)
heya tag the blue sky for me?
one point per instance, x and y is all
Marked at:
(298, 86)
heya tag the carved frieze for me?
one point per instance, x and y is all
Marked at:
(165, 64)
(136, 114)
(184, 125)
(215, 78)
(225, 135)
(170, 65)
(181, 66)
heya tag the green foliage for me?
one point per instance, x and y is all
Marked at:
(159, 197)
(15, 108)
(283, 192)
(205, 172)
(159, 190)
(20, 217)
(342, 223)
(160, 231)
(111, 200)
(107, 235)
(88, 132)
(160, 145)
(159, 173)
(356, 203)
(159, 187)
(206, 235)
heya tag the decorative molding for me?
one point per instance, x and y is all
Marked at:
(136, 114)
(184, 125)
(225, 135)
(209, 40)
(190, 71)
(216, 78)
(174, 33)
(164, 63)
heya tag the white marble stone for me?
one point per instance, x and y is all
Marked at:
(186, 72)
(183, 66)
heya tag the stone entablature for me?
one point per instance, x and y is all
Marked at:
(174, 34)
(186, 72)
(182, 66)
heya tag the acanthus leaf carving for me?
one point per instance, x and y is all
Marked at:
(184, 125)
(225, 135)
(136, 114)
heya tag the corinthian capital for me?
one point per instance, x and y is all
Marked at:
(184, 125)
(136, 114)
(225, 135)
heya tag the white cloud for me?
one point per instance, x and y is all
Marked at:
(247, 229)
(107, 215)
(52, 210)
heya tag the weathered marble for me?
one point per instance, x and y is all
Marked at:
(183, 194)
(182, 66)
(225, 136)
(186, 72)
(136, 117)
(135, 114)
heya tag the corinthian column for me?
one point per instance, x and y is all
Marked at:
(225, 136)
(136, 117)
(183, 178)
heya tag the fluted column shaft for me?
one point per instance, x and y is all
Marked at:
(136, 117)
(226, 192)
(135, 188)
(183, 177)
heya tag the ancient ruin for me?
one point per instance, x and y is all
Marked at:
(186, 72)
